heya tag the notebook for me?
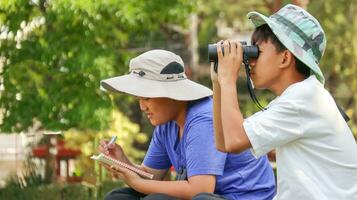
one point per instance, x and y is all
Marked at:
(111, 161)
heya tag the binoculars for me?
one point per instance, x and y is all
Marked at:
(249, 51)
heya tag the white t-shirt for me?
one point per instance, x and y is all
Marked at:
(315, 150)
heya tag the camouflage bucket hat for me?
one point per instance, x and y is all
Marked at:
(299, 32)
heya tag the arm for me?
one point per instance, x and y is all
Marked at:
(232, 120)
(217, 122)
(180, 189)
(158, 173)
(235, 138)
(117, 152)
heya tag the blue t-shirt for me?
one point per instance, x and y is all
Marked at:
(238, 176)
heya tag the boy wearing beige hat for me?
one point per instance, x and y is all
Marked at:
(181, 111)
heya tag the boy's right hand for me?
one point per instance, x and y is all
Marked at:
(113, 150)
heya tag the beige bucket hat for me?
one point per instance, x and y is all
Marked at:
(157, 73)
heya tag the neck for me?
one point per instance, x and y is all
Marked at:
(181, 116)
(286, 81)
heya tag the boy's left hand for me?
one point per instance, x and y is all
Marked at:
(128, 176)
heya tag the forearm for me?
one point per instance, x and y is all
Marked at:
(179, 189)
(159, 174)
(217, 121)
(232, 120)
(126, 160)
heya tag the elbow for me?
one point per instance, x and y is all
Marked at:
(196, 193)
(221, 148)
(234, 147)
(236, 141)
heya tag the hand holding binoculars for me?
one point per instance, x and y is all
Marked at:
(249, 52)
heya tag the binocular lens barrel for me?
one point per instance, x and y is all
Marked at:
(249, 51)
(212, 52)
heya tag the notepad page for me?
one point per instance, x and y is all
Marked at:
(110, 161)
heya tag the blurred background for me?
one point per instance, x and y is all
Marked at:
(53, 54)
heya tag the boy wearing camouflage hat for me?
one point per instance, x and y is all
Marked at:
(316, 152)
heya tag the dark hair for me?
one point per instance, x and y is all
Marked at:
(264, 33)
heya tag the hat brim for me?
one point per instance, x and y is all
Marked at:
(259, 19)
(182, 90)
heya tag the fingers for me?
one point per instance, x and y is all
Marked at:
(120, 169)
(235, 46)
(239, 48)
(103, 142)
(227, 47)
(103, 147)
(121, 172)
(116, 172)
(111, 146)
(114, 176)
(219, 50)
(110, 168)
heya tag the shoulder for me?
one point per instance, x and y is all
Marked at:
(308, 96)
(199, 121)
(199, 108)
(305, 90)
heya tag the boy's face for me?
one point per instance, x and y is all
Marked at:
(265, 69)
(159, 110)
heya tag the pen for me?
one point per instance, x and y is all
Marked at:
(112, 140)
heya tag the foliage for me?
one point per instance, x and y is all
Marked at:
(87, 141)
(339, 63)
(59, 191)
(54, 53)
(28, 178)
(221, 20)
(30, 185)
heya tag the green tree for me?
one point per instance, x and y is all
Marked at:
(54, 53)
(87, 141)
(339, 63)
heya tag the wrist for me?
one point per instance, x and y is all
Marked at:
(215, 81)
(227, 82)
(135, 183)
(214, 77)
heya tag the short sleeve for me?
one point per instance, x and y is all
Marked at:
(202, 157)
(276, 126)
(156, 156)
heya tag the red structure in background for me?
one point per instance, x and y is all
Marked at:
(63, 153)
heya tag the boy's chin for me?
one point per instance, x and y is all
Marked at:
(259, 87)
(155, 123)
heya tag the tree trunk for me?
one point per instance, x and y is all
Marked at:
(193, 45)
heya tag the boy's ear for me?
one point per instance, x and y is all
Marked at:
(287, 59)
